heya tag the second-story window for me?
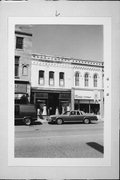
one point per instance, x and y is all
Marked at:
(61, 79)
(77, 79)
(17, 66)
(41, 78)
(86, 80)
(19, 42)
(51, 78)
(95, 80)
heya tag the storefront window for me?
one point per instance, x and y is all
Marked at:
(61, 78)
(77, 79)
(86, 80)
(51, 78)
(41, 78)
(95, 80)
(76, 105)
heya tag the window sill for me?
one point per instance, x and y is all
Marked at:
(19, 49)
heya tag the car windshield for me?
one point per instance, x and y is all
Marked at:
(66, 113)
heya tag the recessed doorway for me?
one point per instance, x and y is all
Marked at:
(53, 103)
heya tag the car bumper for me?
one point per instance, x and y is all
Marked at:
(50, 121)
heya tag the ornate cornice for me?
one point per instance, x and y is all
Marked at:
(66, 60)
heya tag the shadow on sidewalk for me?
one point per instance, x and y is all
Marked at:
(96, 146)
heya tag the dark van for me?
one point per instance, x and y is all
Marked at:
(25, 113)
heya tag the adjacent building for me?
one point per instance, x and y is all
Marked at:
(23, 47)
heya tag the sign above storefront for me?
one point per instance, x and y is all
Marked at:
(82, 97)
(21, 88)
(64, 96)
(91, 95)
(42, 95)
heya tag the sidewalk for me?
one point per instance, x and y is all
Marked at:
(43, 121)
(100, 119)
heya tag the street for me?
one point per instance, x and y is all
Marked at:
(73, 140)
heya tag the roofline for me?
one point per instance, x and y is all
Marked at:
(63, 57)
(23, 33)
(72, 61)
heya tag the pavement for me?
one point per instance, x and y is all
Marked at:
(70, 140)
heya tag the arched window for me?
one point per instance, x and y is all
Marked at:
(25, 70)
(95, 80)
(51, 78)
(77, 79)
(86, 80)
(41, 77)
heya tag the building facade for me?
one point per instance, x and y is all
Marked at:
(23, 47)
(59, 84)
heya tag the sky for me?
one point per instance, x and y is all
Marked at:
(76, 41)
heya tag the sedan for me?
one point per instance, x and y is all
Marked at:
(72, 116)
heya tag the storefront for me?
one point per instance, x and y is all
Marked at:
(51, 101)
(22, 92)
(87, 101)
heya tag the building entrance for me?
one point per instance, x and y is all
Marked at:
(53, 103)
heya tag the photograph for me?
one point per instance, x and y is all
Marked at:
(58, 101)
(59, 91)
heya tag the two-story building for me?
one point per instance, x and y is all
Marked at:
(51, 82)
(59, 84)
(23, 47)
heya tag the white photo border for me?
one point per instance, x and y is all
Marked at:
(106, 22)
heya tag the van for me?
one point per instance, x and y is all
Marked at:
(25, 113)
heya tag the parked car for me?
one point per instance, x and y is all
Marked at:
(72, 116)
(25, 113)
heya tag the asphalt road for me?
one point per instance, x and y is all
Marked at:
(59, 141)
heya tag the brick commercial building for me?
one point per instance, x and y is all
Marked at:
(59, 84)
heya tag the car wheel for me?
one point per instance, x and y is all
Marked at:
(59, 121)
(27, 121)
(86, 121)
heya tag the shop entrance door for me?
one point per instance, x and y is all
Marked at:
(53, 103)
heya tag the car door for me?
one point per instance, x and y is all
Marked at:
(73, 116)
(82, 115)
(78, 116)
(65, 116)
